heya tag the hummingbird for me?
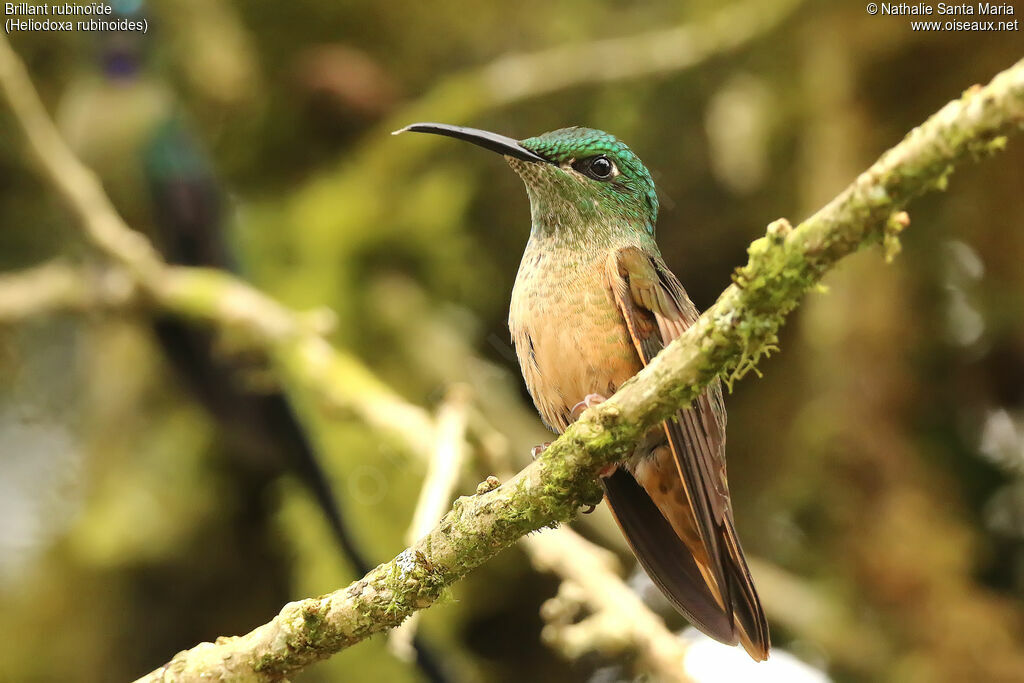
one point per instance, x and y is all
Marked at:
(593, 303)
(128, 125)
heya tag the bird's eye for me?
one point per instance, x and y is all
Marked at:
(598, 168)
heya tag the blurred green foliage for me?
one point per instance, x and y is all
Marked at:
(879, 459)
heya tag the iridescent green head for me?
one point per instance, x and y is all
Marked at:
(594, 165)
(578, 179)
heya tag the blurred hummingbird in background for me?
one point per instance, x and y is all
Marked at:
(592, 304)
(127, 124)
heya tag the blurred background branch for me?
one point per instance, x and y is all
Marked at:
(439, 486)
(615, 620)
(207, 295)
(516, 77)
(59, 286)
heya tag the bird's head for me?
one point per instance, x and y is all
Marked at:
(578, 179)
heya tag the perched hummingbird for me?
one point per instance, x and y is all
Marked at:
(592, 304)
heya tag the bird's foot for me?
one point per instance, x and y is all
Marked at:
(589, 401)
(537, 450)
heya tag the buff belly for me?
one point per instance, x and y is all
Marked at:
(569, 335)
(571, 341)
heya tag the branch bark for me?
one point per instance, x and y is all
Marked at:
(728, 339)
(58, 286)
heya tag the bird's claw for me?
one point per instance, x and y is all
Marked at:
(589, 401)
(537, 450)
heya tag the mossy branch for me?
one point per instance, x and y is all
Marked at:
(728, 340)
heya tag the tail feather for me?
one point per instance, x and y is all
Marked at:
(665, 558)
(732, 613)
(751, 623)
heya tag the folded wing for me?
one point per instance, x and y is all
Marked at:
(688, 542)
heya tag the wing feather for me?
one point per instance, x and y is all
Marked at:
(656, 310)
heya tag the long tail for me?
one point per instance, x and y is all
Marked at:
(730, 613)
(751, 623)
(666, 560)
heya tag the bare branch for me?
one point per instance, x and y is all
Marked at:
(520, 77)
(58, 287)
(516, 77)
(619, 620)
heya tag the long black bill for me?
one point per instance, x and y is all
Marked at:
(492, 141)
